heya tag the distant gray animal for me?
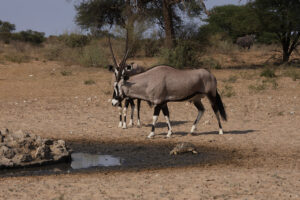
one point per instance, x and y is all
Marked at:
(162, 84)
(130, 70)
(183, 147)
(245, 41)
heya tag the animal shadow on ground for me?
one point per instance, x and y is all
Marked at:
(233, 132)
(164, 124)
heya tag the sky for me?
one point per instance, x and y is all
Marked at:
(53, 17)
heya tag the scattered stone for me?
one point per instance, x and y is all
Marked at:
(19, 149)
(207, 122)
(183, 147)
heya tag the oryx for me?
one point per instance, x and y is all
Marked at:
(130, 70)
(162, 84)
(245, 41)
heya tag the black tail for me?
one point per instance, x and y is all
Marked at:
(220, 106)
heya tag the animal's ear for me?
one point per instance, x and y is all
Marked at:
(128, 67)
(110, 68)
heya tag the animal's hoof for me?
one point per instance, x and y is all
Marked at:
(151, 135)
(138, 124)
(120, 125)
(221, 132)
(130, 123)
(124, 126)
(169, 134)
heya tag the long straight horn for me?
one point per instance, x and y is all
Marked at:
(112, 53)
(126, 51)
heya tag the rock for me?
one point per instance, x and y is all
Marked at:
(22, 158)
(43, 152)
(7, 152)
(6, 162)
(48, 142)
(25, 149)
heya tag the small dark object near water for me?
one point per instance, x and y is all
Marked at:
(183, 147)
(20, 149)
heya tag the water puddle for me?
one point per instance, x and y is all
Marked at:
(86, 160)
(80, 161)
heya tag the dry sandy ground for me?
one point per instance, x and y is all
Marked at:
(258, 157)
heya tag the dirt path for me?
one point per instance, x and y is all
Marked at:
(258, 157)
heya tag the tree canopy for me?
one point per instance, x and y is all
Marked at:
(101, 14)
(281, 17)
(233, 20)
(5, 30)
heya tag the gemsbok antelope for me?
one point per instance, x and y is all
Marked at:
(131, 70)
(162, 84)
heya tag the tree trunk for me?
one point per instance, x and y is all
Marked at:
(285, 50)
(168, 24)
(285, 57)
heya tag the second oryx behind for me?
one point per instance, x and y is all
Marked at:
(130, 70)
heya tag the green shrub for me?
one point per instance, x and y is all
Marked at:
(268, 73)
(227, 91)
(257, 87)
(232, 79)
(267, 38)
(151, 47)
(292, 73)
(66, 73)
(247, 75)
(272, 81)
(183, 55)
(210, 63)
(93, 56)
(33, 37)
(5, 37)
(75, 40)
(17, 58)
(54, 52)
(89, 82)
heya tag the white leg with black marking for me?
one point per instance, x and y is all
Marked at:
(138, 123)
(167, 117)
(120, 115)
(138, 113)
(200, 108)
(124, 114)
(220, 126)
(169, 126)
(155, 117)
(132, 113)
(151, 135)
(194, 127)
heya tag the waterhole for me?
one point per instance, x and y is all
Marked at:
(79, 161)
(86, 160)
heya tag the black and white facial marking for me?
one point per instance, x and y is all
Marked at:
(117, 95)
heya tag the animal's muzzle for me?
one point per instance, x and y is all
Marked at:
(114, 102)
